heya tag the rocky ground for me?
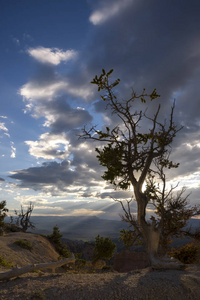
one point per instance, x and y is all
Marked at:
(141, 284)
(138, 284)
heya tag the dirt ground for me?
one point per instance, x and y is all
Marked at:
(137, 284)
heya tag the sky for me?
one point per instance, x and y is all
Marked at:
(50, 51)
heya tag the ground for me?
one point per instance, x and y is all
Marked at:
(138, 284)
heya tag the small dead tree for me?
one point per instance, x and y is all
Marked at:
(23, 218)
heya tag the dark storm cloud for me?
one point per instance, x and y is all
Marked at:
(48, 173)
(150, 44)
(57, 177)
(61, 116)
(156, 44)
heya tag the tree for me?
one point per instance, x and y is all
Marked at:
(172, 210)
(131, 155)
(104, 248)
(55, 238)
(23, 218)
(3, 214)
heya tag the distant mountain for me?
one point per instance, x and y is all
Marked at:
(85, 228)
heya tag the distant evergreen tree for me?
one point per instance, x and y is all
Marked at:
(104, 248)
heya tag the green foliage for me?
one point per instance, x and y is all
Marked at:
(56, 235)
(58, 244)
(104, 248)
(130, 150)
(25, 244)
(3, 214)
(187, 254)
(4, 263)
(129, 238)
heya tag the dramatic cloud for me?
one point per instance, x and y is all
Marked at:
(48, 174)
(150, 44)
(1, 179)
(52, 55)
(56, 178)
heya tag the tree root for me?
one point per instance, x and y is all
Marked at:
(167, 264)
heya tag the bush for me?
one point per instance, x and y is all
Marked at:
(187, 254)
(24, 244)
(104, 248)
(4, 263)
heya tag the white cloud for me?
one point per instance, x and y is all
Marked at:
(13, 150)
(3, 127)
(108, 11)
(51, 55)
(7, 134)
(34, 91)
(48, 146)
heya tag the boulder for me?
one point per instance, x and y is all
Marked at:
(126, 261)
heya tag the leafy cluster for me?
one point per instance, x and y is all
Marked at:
(129, 150)
(187, 254)
(104, 248)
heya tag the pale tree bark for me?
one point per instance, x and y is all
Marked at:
(30, 268)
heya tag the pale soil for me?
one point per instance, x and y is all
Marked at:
(139, 284)
(143, 284)
(42, 251)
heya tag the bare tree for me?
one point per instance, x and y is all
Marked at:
(23, 218)
(131, 155)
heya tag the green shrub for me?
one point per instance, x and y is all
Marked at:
(104, 248)
(24, 244)
(187, 254)
(4, 263)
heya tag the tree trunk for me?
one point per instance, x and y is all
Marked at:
(151, 235)
(19, 271)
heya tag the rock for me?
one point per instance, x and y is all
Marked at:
(126, 261)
